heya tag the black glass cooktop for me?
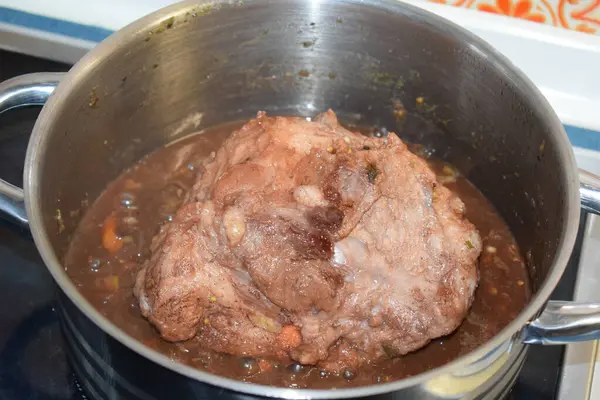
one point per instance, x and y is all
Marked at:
(33, 365)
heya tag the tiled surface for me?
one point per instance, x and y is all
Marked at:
(578, 15)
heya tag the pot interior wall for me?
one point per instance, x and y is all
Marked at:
(206, 65)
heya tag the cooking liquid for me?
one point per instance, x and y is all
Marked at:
(148, 195)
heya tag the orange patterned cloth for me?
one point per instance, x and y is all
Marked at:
(579, 15)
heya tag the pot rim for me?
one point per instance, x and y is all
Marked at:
(137, 31)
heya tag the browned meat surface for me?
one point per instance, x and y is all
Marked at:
(306, 240)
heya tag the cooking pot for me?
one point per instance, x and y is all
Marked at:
(194, 65)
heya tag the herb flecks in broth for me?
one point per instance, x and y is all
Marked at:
(114, 239)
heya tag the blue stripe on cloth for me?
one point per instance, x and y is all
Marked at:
(584, 138)
(52, 25)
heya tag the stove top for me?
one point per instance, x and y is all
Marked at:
(33, 364)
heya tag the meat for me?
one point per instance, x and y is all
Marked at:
(303, 239)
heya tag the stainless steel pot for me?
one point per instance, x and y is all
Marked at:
(194, 65)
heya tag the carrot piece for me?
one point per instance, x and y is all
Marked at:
(264, 365)
(109, 283)
(289, 337)
(110, 240)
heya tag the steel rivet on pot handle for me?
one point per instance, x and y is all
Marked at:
(24, 90)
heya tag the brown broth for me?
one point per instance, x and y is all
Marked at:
(145, 196)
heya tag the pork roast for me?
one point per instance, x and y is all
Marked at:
(303, 239)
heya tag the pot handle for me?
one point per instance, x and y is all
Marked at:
(589, 191)
(24, 90)
(564, 322)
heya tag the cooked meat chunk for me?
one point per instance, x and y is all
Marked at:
(303, 239)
